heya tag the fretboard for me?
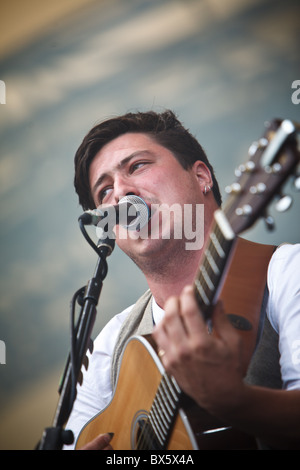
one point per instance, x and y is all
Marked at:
(156, 427)
(213, 264)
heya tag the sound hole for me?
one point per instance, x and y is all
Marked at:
(142, 434)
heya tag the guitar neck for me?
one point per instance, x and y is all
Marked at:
(157, 427)
(210, 276)
(207, 284)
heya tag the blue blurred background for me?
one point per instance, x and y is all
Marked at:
(225, 67)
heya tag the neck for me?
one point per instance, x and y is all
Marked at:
(170, 278)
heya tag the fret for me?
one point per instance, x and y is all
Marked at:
(176, 387)
(160, 430)
(212, 262)
(164, 410)
(171, 388)
(167, 397)
(202, 293)
(163, 413)
(206, 277)
(217, 245)
(224, 225)
(156, 431)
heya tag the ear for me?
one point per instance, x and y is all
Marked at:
(203, 176)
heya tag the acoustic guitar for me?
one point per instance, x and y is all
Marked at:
(148, 409)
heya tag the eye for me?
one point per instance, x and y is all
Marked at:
(135, 166)
(103, 194)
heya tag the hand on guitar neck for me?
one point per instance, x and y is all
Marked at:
(208, 367)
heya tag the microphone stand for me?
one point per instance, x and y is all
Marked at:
(56, 436)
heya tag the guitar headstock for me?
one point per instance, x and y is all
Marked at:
(272, 160)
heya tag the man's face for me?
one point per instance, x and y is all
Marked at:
(135, 164)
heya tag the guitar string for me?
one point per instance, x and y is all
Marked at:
(172, 396)
(212, 265)
(161, 415)
(207, 274)
(151, 425)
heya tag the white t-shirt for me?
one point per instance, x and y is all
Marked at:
(283, 311)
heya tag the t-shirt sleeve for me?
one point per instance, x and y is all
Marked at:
(284, 310)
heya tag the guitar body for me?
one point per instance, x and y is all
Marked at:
(141, 371)
(139, 378)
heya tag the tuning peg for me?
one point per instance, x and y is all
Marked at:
(259, 188)
(261, 144)
(245, 210)
(234, 188)
(248, 167)
(284, 203)
(275, 168)
(269, 221)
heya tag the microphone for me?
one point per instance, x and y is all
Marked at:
(132, 213)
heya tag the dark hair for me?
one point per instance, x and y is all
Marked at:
(165, 128)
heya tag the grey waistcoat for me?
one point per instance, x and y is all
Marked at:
(264, 369)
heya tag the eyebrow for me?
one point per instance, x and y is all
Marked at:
(119, 166)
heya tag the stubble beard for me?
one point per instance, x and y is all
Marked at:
(160, 257)
(163, 258)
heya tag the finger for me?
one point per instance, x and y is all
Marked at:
(100, 442)
(169, 334)
(160, 336)
(192, 317)
(172, 321)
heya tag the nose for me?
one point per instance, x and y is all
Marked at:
(122, 187)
